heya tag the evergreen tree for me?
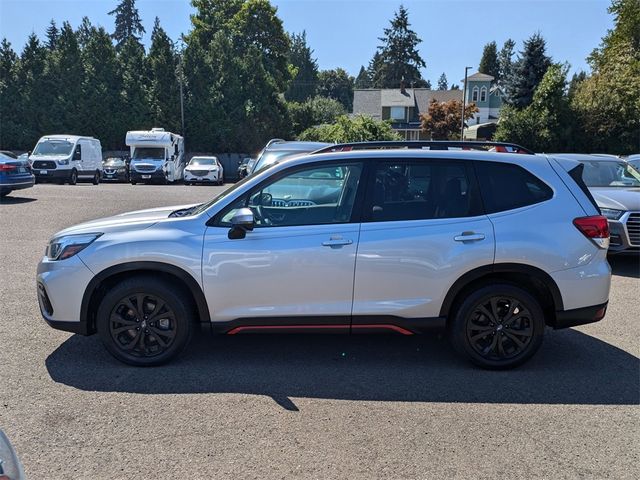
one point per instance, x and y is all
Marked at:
(399, 54)
(442, 82)
(10, 99)
(489, 64)
(505, 61)
(101, 107)
(304, 83)
(338, 85)
(52, 35)
(528, 72)
(363, 80)
(455, 86)
(575, 82)
(33, 112)
(128, 23)
(374, 70)
(164, 89)
(66, 70)
(84, 32)
(133, 95)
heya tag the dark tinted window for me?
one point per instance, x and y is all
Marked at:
(505, 186)
(417, 191)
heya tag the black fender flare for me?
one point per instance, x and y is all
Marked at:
(498, 268)
(188, 280)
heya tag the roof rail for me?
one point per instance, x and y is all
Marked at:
(274, 140)
(430, 144)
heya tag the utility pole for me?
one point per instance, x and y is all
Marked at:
(464, 102)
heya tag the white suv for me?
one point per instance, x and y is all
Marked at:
(349, 239)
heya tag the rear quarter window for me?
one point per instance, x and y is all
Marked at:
(505, 186)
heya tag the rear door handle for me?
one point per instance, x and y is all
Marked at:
(469, 237)
(337, 242)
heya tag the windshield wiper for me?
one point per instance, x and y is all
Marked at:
(184, 212)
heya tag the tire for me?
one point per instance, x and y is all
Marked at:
(133, 182)
(96, 178)
(73, 178)
(149, 344)
(499, 341)
(4, 193)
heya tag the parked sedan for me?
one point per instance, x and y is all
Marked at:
(14, 175)
(615, 186)
(204, 170)
(115, 168)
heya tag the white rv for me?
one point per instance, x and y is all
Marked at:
(67, 158)
(156, 155)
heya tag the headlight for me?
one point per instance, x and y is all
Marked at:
(67, 246)
(611, 214)
(121, 170)
(63, 162)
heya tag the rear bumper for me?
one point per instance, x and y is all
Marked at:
(17, 184)
(580, 316)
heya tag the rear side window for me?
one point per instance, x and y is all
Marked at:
(577, 174)
(505, 186)
(419, 191)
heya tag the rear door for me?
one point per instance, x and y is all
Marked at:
(423, 227)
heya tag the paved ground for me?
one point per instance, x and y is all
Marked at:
(292, 406)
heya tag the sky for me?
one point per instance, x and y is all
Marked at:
(344, 33)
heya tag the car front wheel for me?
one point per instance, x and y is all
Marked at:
(498, 326)
(144, 322)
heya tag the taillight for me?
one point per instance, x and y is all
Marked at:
(6, 168)
(595, 228)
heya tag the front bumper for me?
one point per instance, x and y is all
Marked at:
(624, 234)
(209, 177)
(115, 177)
(60, 287)
(142, 177)
(52, 174)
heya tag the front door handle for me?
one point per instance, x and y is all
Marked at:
(469, 237)
(336, 242)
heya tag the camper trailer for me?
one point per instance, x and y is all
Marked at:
(156, 156)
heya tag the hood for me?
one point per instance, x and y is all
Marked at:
(201, 167)
(617, 198)
(137, 220)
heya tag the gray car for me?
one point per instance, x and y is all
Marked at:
(615, 186)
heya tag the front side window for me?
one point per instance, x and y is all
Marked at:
(506, 186)
(419, 191)
(309, 196)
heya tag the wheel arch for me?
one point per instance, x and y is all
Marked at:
(97, 287)
(537, 281)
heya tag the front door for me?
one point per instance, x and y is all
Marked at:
(296, 267)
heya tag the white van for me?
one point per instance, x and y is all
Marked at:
(156, 155)
(67, 158)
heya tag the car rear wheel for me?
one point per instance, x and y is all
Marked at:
(144, 322)
(498, 326)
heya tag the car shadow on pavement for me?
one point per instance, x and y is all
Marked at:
(10, 200)
(625, 265)
(570, 368)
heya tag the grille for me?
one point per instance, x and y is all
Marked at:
(145, 168)
(44, 165)
(109, 171)
(199, 173)
(633, 228)
(292, 203)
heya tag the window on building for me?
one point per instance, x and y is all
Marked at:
(398, 113)
(483, 94)
(474, 94)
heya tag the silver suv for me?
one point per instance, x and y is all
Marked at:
(349, 239)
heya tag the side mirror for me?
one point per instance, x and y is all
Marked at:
(242, 222)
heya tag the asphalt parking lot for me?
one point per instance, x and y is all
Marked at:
(301, 406)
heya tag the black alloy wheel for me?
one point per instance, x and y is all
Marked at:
(145, 321)
(497, 326)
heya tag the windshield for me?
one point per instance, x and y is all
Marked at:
(114, 162)
(153, 153)
(610, 174)
(269, 158)
(53, 147)
(202, 161)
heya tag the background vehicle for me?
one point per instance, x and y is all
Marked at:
(245, 167)
(14, 175)
(278, 149)
(116, 168)
(494, 246)
(156, 155)
(8, 153)
(615, 186)
(204, 170)
(67, 158)
(634, 160)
